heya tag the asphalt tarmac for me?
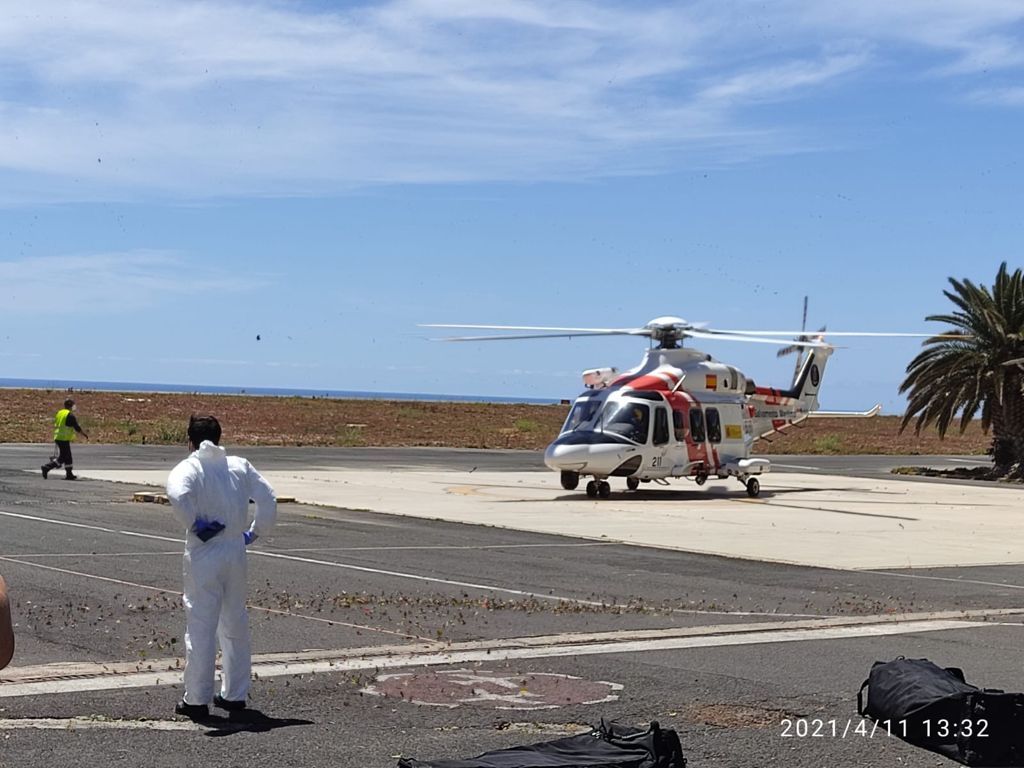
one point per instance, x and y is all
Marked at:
(383, 635)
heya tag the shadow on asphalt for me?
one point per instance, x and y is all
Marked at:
(246, 721)
(714, 493)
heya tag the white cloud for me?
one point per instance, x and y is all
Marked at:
(770, 83)
(105, 283)
(974, 34)
(1008, 97)
(199, 99)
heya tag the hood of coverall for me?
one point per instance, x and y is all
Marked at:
(218, 484)
(209, 451)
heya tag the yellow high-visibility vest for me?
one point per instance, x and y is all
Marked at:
(62, 431)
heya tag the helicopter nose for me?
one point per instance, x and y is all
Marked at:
(566, 457)
(596, 458)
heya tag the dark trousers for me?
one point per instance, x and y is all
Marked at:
(63, 456)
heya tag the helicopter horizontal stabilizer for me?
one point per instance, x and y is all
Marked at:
(847, 414)
(797, 422)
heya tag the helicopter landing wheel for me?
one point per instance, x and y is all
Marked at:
(570, 480)
(632, 483)
(700, 479)
(604, 490)
(592, 489)
(753, 488)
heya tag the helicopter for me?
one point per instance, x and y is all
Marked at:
(680, 413)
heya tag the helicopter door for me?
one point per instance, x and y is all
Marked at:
(713, 425)
(697, 447)
(658, 464)
(679, 452)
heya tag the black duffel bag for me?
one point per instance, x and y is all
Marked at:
(607, 745)
(937, 709)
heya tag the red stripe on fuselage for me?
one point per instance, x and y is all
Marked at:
(773, 396)
(651, 383)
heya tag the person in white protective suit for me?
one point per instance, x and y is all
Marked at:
(210, 493)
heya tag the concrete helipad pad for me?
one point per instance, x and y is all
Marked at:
(835, 522)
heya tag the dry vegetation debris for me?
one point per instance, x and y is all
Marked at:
(26, 416)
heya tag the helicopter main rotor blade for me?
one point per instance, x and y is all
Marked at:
(529, 328)
(839, 333)
(722, 336)
(506, 337)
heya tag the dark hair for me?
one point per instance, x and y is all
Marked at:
(203, 428)
(68, 403)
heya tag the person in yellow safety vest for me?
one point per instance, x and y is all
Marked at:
(65, 425)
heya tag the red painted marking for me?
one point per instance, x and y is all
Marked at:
(650, 382)
(496, 690)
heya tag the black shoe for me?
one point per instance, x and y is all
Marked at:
(71, 477)
(230, 706)
(192, 711)
(46, 470)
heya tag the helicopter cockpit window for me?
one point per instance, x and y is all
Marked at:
(679, 426)
(582, 412)
(714, 425)
(660, 426)
(631, 420)
(697, 425)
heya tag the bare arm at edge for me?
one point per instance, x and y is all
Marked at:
(6, 630)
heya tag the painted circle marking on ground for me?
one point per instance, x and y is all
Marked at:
(496, 690)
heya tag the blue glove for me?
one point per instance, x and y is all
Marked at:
(250, 537)
(206, 529)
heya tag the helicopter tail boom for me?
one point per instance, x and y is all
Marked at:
(774, 409)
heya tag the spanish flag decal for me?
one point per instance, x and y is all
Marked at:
(710, 381)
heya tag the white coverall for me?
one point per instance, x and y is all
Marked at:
(210, 485)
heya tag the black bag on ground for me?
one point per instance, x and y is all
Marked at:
(937, 709)
(609, 745)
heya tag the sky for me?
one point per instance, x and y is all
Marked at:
(276, 194)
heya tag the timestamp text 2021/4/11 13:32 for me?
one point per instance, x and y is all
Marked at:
(836, 728)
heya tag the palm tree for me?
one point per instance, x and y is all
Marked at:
(978, 366)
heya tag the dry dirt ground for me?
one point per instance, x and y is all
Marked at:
(117, 417)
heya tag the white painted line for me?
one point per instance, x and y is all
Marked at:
(29, 564)
(289, 614)
(382, 572)
(398, 574)
(458, 547)
(432, 579)
(925, 577)
(63, 670)
(493, 654)
(683, 611)
(331, 564)
(797, 466)
(91, 724)
(84, 555)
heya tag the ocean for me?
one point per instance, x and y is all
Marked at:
(65, 385)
